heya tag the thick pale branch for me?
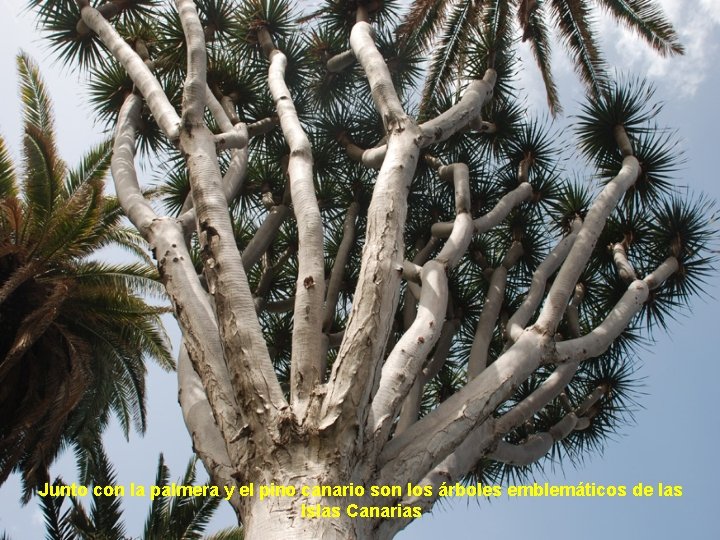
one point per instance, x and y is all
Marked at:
(411, 455)
(411, 274)
(194, 90)
(232, 183)
(600, 338)
(280, 306)
(251, 370)
(144, 80)
(406, 360)
(233, 135)
(373, 157)
(667, 268)
(411, 407)
(340, 62)
(435, 364)
(208, 442)
(516, 324)
(193, 310)
(483, 438)
(482, 126)
(593, 225)
(377, 72)
(548, 390)
(265, 235)
(623, 141)
(444, 125)
(450, 470)
(476, 95)
(270, 270)
(490, 312)
(462, 232)
(219, 113)
(197, 320)
(356, 367)
(624, 268)
(261, 127)
(136, 207)
(486, 222)
(338, 270)
(537, 445)
(108, 10)
(376, 295)
(235, 174)
(403, 367)
(306, 364)
(482, 442)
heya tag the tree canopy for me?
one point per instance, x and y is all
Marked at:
(391, 284)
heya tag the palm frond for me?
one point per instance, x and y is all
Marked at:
(444, 69)
(575, 24)
(57, 525)
(423, 21)
(537, 34)
(8, 180)
(37, 110)
(231, 533)
(137, 278)
(71, 228)
(129, 240)
(44, 173)
(105, 518)
(646, 19)
(156, 521)
(93, 167)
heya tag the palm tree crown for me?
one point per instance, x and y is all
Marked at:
(75, 331)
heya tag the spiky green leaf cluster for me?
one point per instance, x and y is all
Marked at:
(177, 517)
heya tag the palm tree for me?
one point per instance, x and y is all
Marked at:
(464, 32)
(169, 518)
(75, 330)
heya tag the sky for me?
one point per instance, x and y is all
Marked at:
(674, 438)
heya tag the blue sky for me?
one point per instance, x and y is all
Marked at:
(675, 436)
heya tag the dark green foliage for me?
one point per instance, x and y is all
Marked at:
(169, 518)
(76, 332)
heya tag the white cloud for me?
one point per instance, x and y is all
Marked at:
(712, 9)
(697, 23)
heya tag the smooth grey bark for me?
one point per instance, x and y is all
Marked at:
(306, 363)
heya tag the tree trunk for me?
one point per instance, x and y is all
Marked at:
(283, 506)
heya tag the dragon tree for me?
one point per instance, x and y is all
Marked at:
(379, 284)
